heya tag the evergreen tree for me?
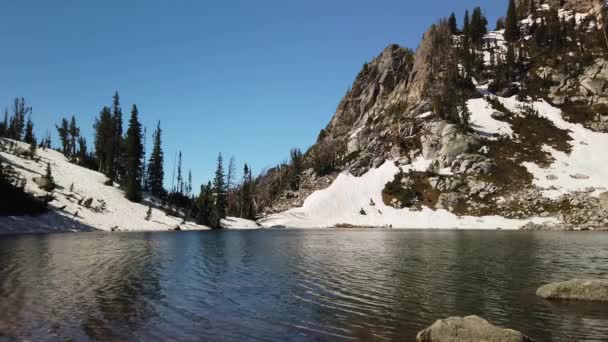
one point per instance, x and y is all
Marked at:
(29, 131)
(82, 149)
(180, 180)
(156, 173)
(64, 136)
(74, 133)
(4, 125)
(189, 184)
(453, 24)
(296, 168)
(512, 32)
(17, 122)
(49, 184)
(500, 24)
(478, 26)
(104, 141)
(246, 195)
(532, 9)
(144, 165)
(205, 205)
(134, 154)
(118, 168)
(466, 28)
(219, 191)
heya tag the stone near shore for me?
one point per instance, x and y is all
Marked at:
(576, 289)
(468, 329)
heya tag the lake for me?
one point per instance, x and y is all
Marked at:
(296, 285)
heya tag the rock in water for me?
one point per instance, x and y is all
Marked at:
(577, 289)
(468, 329)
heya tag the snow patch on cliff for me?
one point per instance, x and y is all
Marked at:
(357, 201)
(584, 169)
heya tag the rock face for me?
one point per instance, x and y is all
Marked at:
(576, 289)
(468, 329)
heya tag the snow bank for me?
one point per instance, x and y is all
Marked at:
(584, 169)
(357, 201)
(239, 223)
(119, 212)
(483, 122)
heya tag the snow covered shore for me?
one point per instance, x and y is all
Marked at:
(109, 209)
(357, 201)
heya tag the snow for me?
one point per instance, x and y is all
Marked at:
(342, 202)
(86, 183)
(588, 156)
(482, 121)
(239, 223)
(424, 115)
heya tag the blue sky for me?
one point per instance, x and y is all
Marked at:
(246, 78)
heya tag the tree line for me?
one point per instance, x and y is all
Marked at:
(121, 156)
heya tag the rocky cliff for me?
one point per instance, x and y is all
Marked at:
(555, 104)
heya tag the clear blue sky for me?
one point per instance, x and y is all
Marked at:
(246, 78)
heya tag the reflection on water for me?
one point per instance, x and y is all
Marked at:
(296, 285)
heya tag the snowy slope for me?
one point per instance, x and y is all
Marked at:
(119, 212)
(341, 204)
(239, 223)
(584, 168)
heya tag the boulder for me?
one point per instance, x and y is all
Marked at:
(468, 329)
(576, 289)
(579, 176)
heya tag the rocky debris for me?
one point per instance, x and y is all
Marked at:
(450, 201)
(576, 289)
(444, 142)
(472, 164)
(603, 198)
(481, 189)
(175, 228)
(468, 329)
(590, 86)
(498, 115)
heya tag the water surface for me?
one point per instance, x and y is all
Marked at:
(279, 285)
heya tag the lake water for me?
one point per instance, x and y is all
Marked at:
(280, 285)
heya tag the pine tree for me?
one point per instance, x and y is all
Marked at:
(219, 191)
(453, 24)
(144, 165)
(532, 9)
(82, 149)
(466, 27)
(17, 122)
(478, 26)
(74, 133)
(117, 170)
(49, 184)
(205, 205)
(64, 136)
(148, 213)
(4, 125)
(512, 32)
(156, 173)
(180, 180)
(189, 184)
(104, 141)
(29, 131)
(247, 209)
(134, 154)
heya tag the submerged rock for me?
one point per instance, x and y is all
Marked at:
(468, 329)
(576, 289)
